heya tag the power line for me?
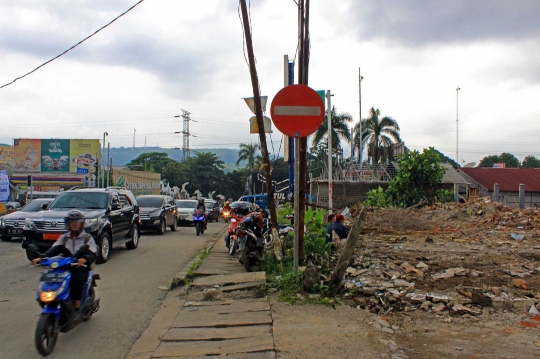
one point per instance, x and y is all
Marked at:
(72, 47)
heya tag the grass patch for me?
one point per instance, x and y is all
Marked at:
(194, 266)
(282, 277)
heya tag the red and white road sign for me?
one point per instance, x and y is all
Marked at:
(297, 111)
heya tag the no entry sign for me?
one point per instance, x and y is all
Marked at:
(297, 111)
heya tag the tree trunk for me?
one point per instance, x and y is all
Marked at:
(347, 252)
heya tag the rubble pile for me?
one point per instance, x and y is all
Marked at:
(448, 259)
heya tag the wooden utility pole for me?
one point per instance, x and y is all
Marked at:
(260, 122)
(303, 79)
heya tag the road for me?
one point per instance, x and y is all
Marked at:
(128, 289)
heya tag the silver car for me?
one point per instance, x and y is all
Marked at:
(186, 207)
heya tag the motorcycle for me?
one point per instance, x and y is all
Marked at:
(53, 294)
(199, 218)
(250, 245)
(226, 215)
(231, 239)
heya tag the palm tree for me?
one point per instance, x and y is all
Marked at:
(340, 130)
(248, 152)
(378, 134)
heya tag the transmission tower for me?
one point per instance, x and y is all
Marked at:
(185, 131)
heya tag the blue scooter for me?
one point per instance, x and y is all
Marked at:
(53, 294)
(199, 219)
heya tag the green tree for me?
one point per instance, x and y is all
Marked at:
(416, 171)
(530, 162)
(509, 159)
(317, 157)
(446, 159)
(488, 161)
(235, 184)
(205, 172)
(340, 130)
(249, 152)
(378, 134)
(152, 162)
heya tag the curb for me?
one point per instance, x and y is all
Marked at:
(181, 277)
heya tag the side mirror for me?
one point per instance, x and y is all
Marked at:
(44, 205)
(116, 206)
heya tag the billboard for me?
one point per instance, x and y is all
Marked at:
(4, 186)
(138, 182)
(55, 155)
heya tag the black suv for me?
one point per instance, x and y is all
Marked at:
(158, 212)
(112, 218)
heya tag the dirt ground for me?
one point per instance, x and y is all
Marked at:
(473, 274)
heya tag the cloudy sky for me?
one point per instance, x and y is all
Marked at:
(168, 55)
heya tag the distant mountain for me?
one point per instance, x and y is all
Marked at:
(123, 155)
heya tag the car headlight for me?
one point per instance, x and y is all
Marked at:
(29, 223)
(155, 214)
(90, 222)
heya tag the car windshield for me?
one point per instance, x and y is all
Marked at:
(154, 202)
(186, 204)
(34, 206)
(209, 205)
(80, 200)
(240, 205)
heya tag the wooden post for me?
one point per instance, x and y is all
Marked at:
(347, 252)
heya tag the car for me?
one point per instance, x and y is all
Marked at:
(186, 207)
(13, 207)
(212, 208)
(11, 225)
(242, 207)
(158, 212)
(112, 218)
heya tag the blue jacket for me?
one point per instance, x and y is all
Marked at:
(337, 227)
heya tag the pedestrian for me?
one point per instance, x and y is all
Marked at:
(336, 232)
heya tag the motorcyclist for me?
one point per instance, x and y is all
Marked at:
(67, 245)
(202, 207)
(227, 207)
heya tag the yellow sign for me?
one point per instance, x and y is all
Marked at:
(84, 155)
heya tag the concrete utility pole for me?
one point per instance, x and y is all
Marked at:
(360, 144)
(134, 132)
(260, 121)
(330, 170)
(102, 162)
(108, 161)
(457, 125)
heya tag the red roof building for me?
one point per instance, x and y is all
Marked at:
(509, 180)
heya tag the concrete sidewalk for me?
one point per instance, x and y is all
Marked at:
(198, 322)
(221, 313)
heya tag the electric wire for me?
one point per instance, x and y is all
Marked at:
(72, 47)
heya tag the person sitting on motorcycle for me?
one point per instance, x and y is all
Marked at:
(227, 207)
(67, 245)
(202, 207)
(258, 220)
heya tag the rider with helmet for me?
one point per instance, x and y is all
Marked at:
(67, 245)
(202, 207)
(227, 207)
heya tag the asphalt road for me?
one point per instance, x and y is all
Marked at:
(128, 289)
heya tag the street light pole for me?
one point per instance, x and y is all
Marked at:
(329, 120)
(457, 125)
(102, 159)
(360, 145)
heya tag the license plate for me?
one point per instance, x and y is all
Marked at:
(51, 236)
(52, 277)
(15, 231)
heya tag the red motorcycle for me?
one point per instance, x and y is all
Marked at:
(231, 239)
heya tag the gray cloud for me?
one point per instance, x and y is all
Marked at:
(417, 22)
(185, 61)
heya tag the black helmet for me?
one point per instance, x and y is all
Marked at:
(75, 216)
(267, 213)
(201, 200)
